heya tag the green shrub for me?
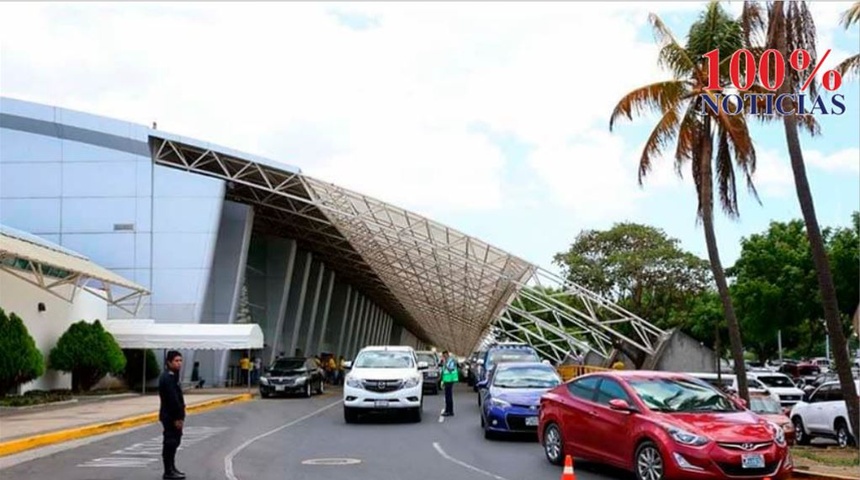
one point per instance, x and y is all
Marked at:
(36, 397)
(134, 366)
(20, 360)
(89, 352)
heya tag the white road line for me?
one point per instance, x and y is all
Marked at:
(464, 464)
(441, 417)
(228, 460)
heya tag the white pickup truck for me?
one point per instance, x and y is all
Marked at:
(823, 414)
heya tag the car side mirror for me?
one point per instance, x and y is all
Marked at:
(347, 365)
(620, 405)
(423, 366)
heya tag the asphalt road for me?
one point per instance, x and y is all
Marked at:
(287, 439)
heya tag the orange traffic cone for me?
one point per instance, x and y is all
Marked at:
(568, 473)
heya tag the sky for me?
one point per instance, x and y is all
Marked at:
(491, 118)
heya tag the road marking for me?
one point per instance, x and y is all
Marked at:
(135, 455)
(228, 460)
(464, 464)
(331, 461)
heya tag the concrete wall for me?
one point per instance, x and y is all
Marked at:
(683, 353)
(47, 327)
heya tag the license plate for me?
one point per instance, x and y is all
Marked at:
(279, 388)
(531, 421)
(381, 404)
(752, 461)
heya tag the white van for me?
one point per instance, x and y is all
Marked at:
(384, 379)
(730, 383)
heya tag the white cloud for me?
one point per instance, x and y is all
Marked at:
(842, 161)
(772, 177)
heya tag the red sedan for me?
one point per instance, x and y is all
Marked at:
(660, 426)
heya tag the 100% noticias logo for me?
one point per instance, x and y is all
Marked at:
(771, 73)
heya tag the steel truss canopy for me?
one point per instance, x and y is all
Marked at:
(62, 272)
(446, 287)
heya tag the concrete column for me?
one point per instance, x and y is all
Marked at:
(276, 338)
(326, 310)
(374, 324)
(361, 338)
(359, 321)
(377, 327)
(351, 328)
(387, 334)
(303, 289)
(312, 318)
(344, 321)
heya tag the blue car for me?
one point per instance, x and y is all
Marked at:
(511, 397)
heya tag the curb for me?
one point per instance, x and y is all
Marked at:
(815, 475)
(28, 443)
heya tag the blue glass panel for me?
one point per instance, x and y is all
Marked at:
(110, 250)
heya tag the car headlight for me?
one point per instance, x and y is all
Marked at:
(264, 381)
(411, 382)
(778, 434)
(353, 382)
(497, 402)
(432, 374)
(686, 438)
(301, 380)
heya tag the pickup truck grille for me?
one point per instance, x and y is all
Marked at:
(382, 386)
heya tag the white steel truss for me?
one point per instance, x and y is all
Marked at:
(444, 286)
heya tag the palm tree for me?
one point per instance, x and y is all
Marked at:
(685, 121)
(786, 27)
(851, 64)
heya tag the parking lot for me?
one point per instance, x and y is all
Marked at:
(307, 439)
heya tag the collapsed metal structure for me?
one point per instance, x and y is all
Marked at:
(449, 289)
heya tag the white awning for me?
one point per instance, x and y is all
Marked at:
(144, 333)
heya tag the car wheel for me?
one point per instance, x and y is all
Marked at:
(649, 462)
(349, 415)
(417, 414)
(483, 422)
(264, 394)
(843, 437)
(308, 392)
(322, 387)
(800, 435)
(553, 444)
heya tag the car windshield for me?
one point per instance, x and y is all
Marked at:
(427, 357)
(680, 395)
(384, 359)
(764, 405)
(291, 364)
(776, 381)
(526, 377)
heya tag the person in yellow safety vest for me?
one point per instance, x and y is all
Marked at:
(331, 367)
(450, 377)
(245, 367)
(619, 365)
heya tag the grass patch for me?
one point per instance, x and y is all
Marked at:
(36, 397)
(829, 456)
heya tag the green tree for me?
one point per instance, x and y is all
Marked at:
(787, 27)
(89, 352)
(843, 246)
(638, 267)
(20, 359)
(850, 65)
(134, 366)
(713, 143)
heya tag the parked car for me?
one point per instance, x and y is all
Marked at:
(771, 410)
(475, 362)
(661, 426)
(292, 375)
(384, 380)
(511, 397)
(728, 383)
(503, 353)
(824, 414)
(433, 373)
(783, 386)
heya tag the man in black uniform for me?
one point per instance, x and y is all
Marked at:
(171, 413)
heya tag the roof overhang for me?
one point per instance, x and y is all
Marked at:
(144, 333)
(62, 273)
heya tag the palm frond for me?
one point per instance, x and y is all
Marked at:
(740, 147)
(663, 134)
(851, 16)
(726, 176)
(688, 130)
(753, 22)
(850, 66)
(660, 96)
(672, 55)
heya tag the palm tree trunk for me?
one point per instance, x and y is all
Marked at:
(825, 278)
(707, 203)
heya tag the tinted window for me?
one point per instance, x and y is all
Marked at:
(511, 355)
(291, 364)
(680, 395)
(526, 377)
(427, 357)
(777, 381)
(835, 394)
(610, 390)
(584, 388)
(384, 359)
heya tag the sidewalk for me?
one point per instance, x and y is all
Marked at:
(37, 428)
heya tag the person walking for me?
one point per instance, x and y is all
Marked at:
(450, 377)
(171, 414)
